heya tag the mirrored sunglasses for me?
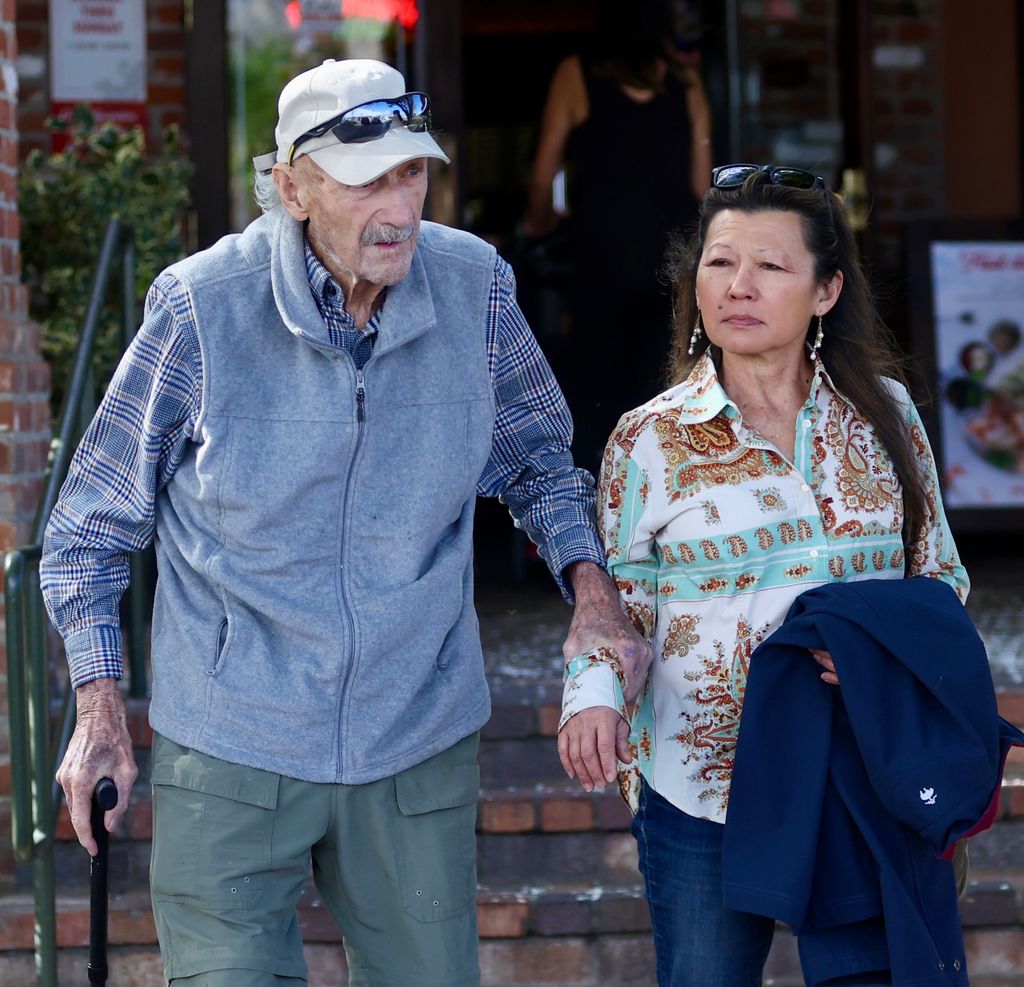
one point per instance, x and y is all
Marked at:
(734, 175)
(371, 121)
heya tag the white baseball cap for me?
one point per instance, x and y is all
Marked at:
(331, 88)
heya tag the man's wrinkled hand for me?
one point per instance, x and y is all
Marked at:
(591, 743)
(600, 622)
(100, 747)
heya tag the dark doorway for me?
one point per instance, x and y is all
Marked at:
(206, 87)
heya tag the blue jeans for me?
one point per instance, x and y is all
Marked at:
(698, 942)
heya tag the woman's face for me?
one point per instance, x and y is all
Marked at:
(756, 288)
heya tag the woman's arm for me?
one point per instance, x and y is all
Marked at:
(700, 130)
(566, 109)
(932, 552)
(594, 728)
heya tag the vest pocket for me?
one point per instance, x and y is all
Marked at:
(218, 656)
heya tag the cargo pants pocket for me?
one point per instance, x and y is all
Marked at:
(436, 833)
(213, 822)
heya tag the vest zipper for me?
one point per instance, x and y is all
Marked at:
(360, 422)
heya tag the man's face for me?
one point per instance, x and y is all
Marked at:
(363, 233)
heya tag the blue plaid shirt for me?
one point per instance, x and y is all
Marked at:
(341, 327)
(149, 416)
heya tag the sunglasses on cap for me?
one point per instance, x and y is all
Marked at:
(734, 175)
(370, 121)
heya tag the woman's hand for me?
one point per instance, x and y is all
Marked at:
(824, 659)
(590, 745)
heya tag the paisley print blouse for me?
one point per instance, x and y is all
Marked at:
(710, 534)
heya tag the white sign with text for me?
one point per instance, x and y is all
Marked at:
(98, 51)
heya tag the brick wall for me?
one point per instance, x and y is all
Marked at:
(795, 115)
(794, 56)
(24, 388)
(800, 96)
(908, 176)
(165, 42)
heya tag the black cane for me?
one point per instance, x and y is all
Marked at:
(104, 798)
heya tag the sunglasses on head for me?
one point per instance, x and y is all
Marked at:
(370, 121)
(734, 175)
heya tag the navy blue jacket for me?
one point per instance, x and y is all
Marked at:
(844, 799)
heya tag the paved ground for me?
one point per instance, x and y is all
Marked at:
(996, 604)
(523, 629)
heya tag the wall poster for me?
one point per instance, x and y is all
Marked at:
(976, 355)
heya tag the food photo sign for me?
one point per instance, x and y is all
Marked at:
(975, 352)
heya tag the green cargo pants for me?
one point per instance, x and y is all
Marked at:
(393, 860)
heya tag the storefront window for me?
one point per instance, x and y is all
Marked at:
(784, 83)
(273, 40)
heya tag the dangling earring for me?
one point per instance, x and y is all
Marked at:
(817, 340)
(696, 334)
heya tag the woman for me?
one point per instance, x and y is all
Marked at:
(632, 117)
(785, 456)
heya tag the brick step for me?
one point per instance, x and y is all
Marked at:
(534, 824)
(572, 935)
(503, 913)
(994, 900)
(612, 961)
(524, 830)
(529, 711)
(560, 806)
(575, 961)
(518, 743)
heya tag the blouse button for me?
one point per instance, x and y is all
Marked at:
(956, 965)
(804, 487)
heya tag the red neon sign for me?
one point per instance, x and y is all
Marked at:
(406, 12)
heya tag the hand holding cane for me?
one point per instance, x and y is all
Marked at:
(104, 799)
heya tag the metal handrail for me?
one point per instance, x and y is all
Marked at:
(35, 751)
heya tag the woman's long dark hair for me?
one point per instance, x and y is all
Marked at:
(858, 350)
(630, 42)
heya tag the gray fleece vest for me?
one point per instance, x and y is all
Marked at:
(314, 608)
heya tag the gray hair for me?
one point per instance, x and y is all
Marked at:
(264, 191)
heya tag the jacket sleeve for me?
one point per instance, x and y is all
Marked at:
(932, 552)
(624, 521)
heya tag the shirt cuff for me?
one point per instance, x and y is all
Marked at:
(568, 549)
(94, 653)
(593, 678)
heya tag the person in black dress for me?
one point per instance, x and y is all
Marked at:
(631, 118)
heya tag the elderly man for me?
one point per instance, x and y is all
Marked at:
(303, 423)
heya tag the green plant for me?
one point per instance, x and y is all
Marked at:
(66, 200)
